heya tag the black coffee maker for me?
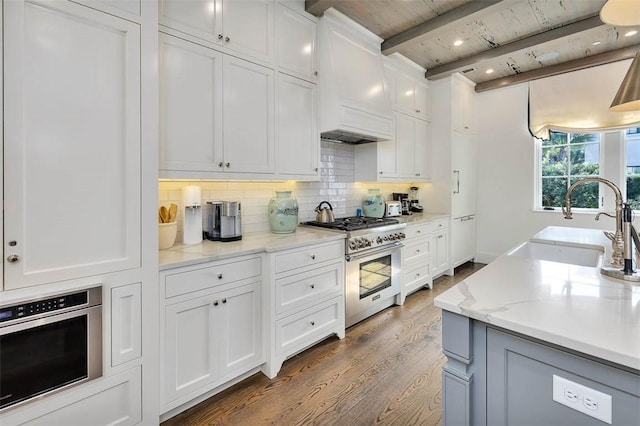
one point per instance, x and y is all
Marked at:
(413, 200)
(404, 201)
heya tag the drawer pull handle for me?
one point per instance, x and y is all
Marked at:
(215, 303)
(418, 231)
(417, 250)
(224, 300)
(312, 286)
(219, 276)
(313, 323)
(418, 275)
(313, 257)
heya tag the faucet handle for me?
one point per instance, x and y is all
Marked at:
(567, 213)
(610, 235)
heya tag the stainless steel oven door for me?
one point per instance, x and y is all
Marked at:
(372, 282)
(49, 354)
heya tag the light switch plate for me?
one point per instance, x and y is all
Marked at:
(581, 398)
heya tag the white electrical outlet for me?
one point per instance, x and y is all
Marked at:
(581, 398)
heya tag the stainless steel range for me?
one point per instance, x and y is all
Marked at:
(372, 252)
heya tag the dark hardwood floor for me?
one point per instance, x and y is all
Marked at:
(387, 370)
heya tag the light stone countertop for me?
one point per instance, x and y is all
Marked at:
(568, 305)
(416, 218)
(256, 242)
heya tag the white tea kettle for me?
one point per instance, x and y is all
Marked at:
(325, 214)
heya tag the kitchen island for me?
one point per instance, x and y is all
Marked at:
(523, 333)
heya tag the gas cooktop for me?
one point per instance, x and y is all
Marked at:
(354, 223)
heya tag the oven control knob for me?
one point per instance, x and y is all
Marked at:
(386, 238)
(353, 245)
(379, 240)
(402, 235)
(367, 242)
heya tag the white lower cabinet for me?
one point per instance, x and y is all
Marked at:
(306, 300)
(463, 237)
(113, 400)
(126, 323)
(440, 244)
(416, 259)
(212, 333)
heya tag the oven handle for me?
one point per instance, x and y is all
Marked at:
(389, 248)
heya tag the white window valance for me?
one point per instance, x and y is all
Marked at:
(578, 101)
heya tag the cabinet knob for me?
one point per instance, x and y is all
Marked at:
(313, 257)
(439, 236)
(220, 36)
(224, 300)
(219, 276)
(227, 164)
(315, 73)
(315, 170)
(13, 258)
(215, 303)
(418, 111)
(313, 323)
(417, 250)
(417, 174)
(12, 243)
(220, 164)
(312, 286)
(227, 39)
(418, 232)
(417, 274)
(380, 172)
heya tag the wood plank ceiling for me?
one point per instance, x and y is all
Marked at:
(519, 40)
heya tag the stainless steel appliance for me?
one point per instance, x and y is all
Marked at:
(372, 252)
(413, 200)
(404, 200)
(222, 221)
(392, 208)
(49, 344)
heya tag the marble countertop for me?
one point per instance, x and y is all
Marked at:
(416, 218)
(568, 305)
(257, 242)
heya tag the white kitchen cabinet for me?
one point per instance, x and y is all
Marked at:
(463, 237)
(245, 27)
(126, 323)
(416, 258)
(440, 256)
(297, 128)
(211, 329)
(306, 299)
(463, 178)
(412, 96)
(296, 43)
(207, 99)
(73, 189)
(463, 104)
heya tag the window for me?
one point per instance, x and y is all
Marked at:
(564, 159)
(632, 166)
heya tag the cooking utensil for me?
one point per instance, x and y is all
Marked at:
(324, 214)
(173, 211)
(164, 215)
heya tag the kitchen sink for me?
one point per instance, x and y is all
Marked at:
(583, 256)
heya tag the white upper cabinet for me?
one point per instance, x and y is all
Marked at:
(207, 101)
(462, 104)
(297, 128)
(243, 26)
(296, 43)
(412, 96)
(72, 143)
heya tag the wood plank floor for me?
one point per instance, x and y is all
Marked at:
(387, 371)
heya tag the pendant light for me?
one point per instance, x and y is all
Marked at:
(621, 12)
(628, 96)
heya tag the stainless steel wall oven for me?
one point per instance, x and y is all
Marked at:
(49, 344)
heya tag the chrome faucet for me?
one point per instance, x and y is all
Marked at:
(618, 240)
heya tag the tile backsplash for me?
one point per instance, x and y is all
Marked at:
(336, 185)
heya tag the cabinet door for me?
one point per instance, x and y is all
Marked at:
(126, 323)
(463, 107)
(422, 150)
(72, 142)
(295, 43)
(463, 200)
(404, 139)
(422, 100)
(405, 93)
(441, 252)
(463, 240)
(248, 130)
(199, 18)
(238, 322)
(298, 138)
(191, 352)
(190, 106)
(248, 27)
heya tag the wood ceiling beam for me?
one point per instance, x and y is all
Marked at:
(577, 64)
(424, 30)
(506, 49)
(317, 7)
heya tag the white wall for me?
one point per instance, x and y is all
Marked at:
(506, 176)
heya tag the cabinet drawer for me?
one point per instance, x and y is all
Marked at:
(214, 274)
(306, 327)
(309, 255)
(417, 231)
(419, 272)
(416, 252)
(312, 286)
(438, 224)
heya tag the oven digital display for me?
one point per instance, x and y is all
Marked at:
(6, 314)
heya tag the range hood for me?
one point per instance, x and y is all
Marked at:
(354, 101)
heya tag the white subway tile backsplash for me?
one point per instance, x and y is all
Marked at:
(336, 185)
